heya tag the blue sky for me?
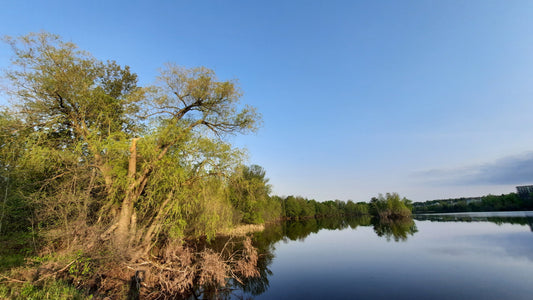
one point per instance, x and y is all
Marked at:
(431, 99)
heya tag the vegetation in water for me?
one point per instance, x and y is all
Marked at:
(104, 181)
(299, 230)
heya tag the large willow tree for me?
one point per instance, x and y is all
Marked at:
(96, 153)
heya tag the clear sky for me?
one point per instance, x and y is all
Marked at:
(431, 99)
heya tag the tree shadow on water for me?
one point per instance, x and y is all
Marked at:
(395, 229)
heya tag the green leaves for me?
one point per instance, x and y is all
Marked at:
(197, 96)
(72, 131)
(58, 84)
(249, 193)
(390, 206)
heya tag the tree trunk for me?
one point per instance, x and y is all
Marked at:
(124, 226)
(155, 224)
(124, 219)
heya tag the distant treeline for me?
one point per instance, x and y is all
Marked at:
(504, 202)
(390, 206)
(295, 207)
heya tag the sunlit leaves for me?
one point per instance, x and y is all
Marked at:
(77, 119)
(249, 193)
(390, 206)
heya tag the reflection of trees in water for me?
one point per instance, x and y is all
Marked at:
(398, 229)
(297, 231)
(264, 242)
(235, 258)
(300, 229)
(525, 221)
(392, 230)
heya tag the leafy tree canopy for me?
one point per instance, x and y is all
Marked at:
(90, 148)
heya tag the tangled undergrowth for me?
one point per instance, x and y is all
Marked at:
(175, 270)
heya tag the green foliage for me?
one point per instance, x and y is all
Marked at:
(15, 211)
(301, 208)
(249, 194)
(272, 209)
(212, 211)
(56, 289)
(90, 160)
(356, 209)
(390, 207)
(298, 207)
(85, 149)
(504, 202)
(82, 267)
(10, 260)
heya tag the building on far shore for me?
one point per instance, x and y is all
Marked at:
(524, 190)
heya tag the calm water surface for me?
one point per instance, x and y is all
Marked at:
(448, 256)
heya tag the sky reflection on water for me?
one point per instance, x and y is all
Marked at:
(442, 260)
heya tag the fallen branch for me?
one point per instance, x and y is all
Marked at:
(104, 236)
(12, 279)
(56, 272)
(42, 277)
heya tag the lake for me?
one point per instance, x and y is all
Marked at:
(446, 256)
